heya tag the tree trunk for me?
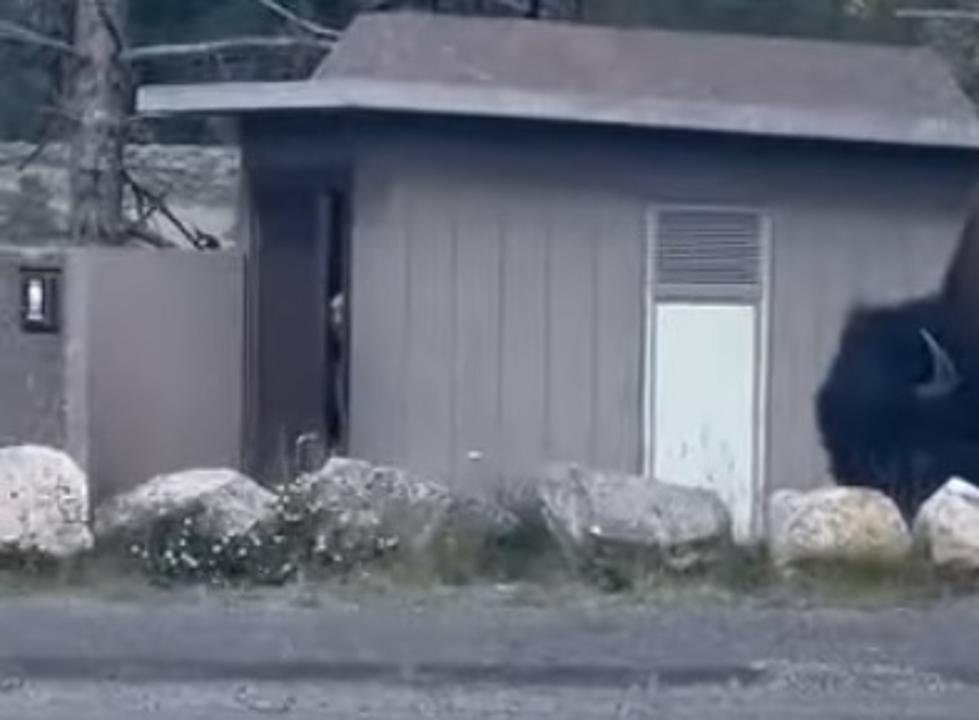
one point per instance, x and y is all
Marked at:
(99, 97)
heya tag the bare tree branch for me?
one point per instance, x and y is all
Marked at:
(19, 161)
(37, 152)
(156, 52)
(111, 24)
(291, 17)
(151, 203)
(15, 32)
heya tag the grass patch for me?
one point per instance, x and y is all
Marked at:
(915, 581)
(747, 575)
(101, 576)
(525, 569)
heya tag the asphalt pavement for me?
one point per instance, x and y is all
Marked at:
(215, 659)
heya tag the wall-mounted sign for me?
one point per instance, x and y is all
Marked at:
(40, 299)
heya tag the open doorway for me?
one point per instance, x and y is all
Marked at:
(336, 221)
(298, 325)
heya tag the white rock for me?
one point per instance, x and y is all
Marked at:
(592, 513)
(359, 507)
(229, 504)
(44, 503)
(836, 524)
(947, 526)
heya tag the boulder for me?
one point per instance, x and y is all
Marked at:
(358, 511)
(608, 519)
(224, 503)
(947, 526)
(836, 525)
(44, 503)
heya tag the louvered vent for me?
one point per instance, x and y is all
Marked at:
(708, 248)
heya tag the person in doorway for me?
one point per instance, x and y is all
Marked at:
(338, 337)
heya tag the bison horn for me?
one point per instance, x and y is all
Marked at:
(944, 378)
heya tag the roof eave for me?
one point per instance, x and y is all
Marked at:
(340, 94)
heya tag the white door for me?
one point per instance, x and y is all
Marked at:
(704, 384)
(705, 391)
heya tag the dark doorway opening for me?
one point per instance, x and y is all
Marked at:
(299, 329)
(338, 327)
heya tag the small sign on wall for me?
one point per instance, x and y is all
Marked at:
(40, 299)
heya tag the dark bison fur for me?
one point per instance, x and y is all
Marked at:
(877, 428)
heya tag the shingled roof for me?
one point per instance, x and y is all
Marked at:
(557, 71)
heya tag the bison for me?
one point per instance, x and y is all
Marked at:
(899, 408)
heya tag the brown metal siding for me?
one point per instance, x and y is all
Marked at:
(497, 283)
(379, 324)
(477, 334)
(524, 371)
(487, 324)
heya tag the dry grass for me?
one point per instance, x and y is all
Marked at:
(525, 573)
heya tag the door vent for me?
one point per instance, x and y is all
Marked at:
(708, 248)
